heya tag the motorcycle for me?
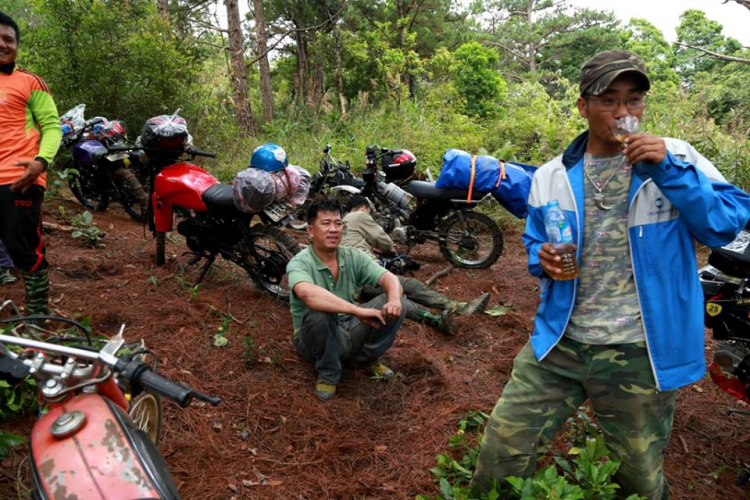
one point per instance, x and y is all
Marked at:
(414, 212)
(102, 176)
(210, 222)
(332, 173)
(92, 440)
(726, 292)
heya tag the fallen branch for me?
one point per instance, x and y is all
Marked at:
(439, 274)
(52, 227)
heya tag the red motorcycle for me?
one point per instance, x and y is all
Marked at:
(95, 441)
(210, 220)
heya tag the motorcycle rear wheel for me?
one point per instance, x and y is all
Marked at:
(475, 243)
(133, 198)
(85, 188)
(275, 248)
(146, 412)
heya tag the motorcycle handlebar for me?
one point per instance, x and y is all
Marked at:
(189, 151)
(139, 374)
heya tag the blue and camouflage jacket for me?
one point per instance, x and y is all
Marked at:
(670, 204)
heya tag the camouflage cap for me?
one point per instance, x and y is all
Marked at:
(598, 72)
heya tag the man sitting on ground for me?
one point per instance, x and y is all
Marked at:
(329, 325)
(362, 232)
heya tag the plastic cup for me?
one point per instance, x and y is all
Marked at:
(623, 127)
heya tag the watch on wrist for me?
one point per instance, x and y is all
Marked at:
(43, 161)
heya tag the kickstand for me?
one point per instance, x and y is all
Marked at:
(204, 271)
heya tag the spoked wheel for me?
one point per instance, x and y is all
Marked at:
(275, 249)
(86, 189)
(474, 242)
(146, 412)
(133, 197)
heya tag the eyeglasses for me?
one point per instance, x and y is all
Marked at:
(611, 103)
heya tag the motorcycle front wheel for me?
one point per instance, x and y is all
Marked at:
(146, 412)
(274, 249)
(133, 197)
(475, 242)
(85, 188)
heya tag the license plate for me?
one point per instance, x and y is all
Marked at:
(275, 211)
(117, 156)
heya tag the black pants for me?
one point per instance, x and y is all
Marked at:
(21, 227)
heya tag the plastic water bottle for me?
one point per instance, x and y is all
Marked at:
(561, 236)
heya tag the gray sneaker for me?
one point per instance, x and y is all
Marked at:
(476, 306)
(6, 276)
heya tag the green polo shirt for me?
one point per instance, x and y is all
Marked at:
(356, 270)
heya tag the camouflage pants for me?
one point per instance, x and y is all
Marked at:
(417, 294)
(635, 418)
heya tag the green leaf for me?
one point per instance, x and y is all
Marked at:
(496, 311)
(445, 489)
(76, 234)
(220, 340)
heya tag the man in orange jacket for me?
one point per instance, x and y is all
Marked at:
(29, 138)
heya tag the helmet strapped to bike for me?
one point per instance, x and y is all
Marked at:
(269, 157)
(398, 164)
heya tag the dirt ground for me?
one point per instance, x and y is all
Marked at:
(271, 438)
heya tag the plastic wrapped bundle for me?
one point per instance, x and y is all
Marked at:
(303, 185)
(109, 131)
(508, 182)
(254, 189)
(73, 120)
(165, 132)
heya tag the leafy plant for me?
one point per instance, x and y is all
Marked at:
(18, 398)
(588, 477)
(8, 441)
(249, 353)
(56, 179)
(153, 280)
(220, 339)
(85, 229)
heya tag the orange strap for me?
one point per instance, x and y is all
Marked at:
(473, 174)
(502, 173)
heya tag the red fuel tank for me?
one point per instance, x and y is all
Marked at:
(179, 184)
(92, 458)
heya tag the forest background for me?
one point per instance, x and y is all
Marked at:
(490, 76)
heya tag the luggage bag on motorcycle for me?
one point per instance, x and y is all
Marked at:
(509, 183)
(734, 258)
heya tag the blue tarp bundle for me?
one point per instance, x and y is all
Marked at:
(509, 182)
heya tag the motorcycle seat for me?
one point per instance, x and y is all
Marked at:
(427, 190)
(219, 197)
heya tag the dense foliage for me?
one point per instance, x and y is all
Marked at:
(499, 76)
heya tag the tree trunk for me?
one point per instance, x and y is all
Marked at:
(239, 77)
(402, 12)
(339, 71)
(300, 77)
(532, 45)
(266, 91)
(318, 82)
(162, 7)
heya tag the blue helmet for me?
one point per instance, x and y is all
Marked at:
(269, 157)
